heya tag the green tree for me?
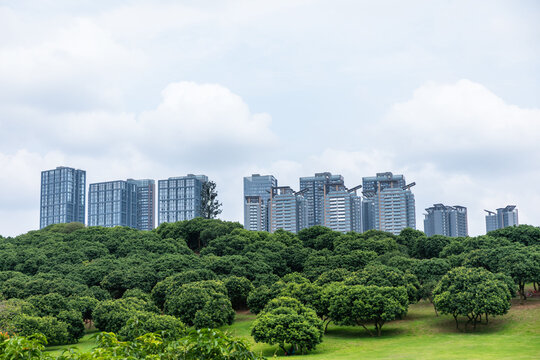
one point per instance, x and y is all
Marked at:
(381, 275)
(210, 206)
(54, 330)
(143, 322)
(112, 315)
(238, 289)
(201, 304)
(289, 324)
(363, 305)
(471, 292)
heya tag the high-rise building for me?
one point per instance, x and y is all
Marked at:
(257, 191)
(315, 189)
(180, 198)
(146, 208)
(393, 203)
(112, 203)
(343, 211)
(507, 216)
(491, 221)
(63, 192)
(287, 210)
(446, 220)
(122, 203)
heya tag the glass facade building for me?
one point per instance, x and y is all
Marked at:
(257, 189)
(122, 203)
(393, 205)
(63, 193)
(112, 203)
(446, 220)
(287, 210)
(146, 208)
(315, 189)
(342, 211)
(504, 217)
(180, 198)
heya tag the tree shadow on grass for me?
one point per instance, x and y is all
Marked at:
(358, 332)
(447, 325)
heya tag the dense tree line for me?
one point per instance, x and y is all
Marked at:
(197, 273)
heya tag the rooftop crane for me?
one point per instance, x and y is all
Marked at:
(408, 186)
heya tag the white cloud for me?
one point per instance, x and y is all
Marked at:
(461, 117)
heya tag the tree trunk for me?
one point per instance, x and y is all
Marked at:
(434, 307)
(457, 324)
(487, 320)
(522, 295)
(378, 327)
(282, 346)
(326, 325)
(369, 331)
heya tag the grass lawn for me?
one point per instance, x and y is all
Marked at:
(86, 344)
(421, 335)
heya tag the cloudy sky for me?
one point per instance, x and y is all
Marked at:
(445, 92)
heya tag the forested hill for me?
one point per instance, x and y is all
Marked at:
(98, 265)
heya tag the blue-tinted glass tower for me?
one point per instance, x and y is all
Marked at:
(257, 190)
(63, 192)
(180, 198)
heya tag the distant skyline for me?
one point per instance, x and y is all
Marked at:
(445, 93)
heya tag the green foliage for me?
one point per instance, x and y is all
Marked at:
(361, 305)
(210, 206)
(381, 275)
(334, 275)
(289, 324)
(324, 260)
(137, 294)
(143, 322)
(75, 325)
(112, 315)
(49, 304)
(204, 344)
(238, 289)
(54, 330)
(20, 347)
(471, 292)
(197, 232)
(525, 234)
(201, 304)
(11, 308)
(259, 297)
(318, 237)
(429, 247)
(85, 305)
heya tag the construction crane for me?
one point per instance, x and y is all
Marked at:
(409, 186)
(354, 188)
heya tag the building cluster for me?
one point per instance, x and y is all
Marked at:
(386, 203)
(117, 203)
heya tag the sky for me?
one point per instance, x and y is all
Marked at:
(445, 92)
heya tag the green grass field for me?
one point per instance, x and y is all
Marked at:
(421, 335)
